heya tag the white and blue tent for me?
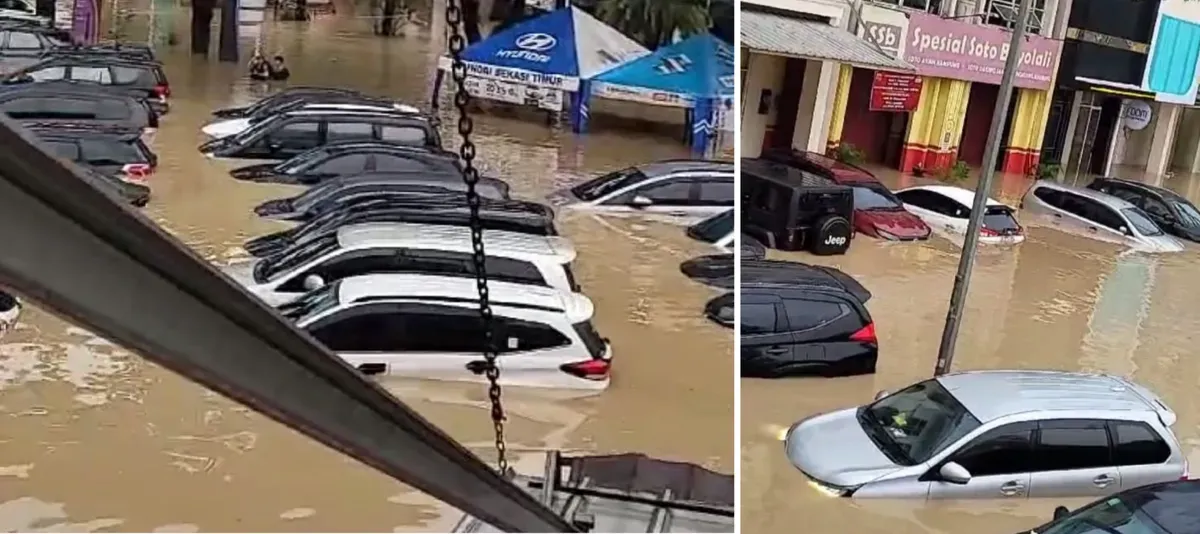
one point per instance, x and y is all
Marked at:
(535, 61)
(695, 73)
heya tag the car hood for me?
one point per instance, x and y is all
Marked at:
(561, 198)
(225, 128)
(834, 449)
(1161, 243)
(899, 223)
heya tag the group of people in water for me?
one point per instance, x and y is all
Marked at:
(263, 70)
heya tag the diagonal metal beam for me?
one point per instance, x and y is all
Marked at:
(105, 267)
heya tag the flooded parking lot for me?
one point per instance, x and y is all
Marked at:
(1054, 302)
(97, 439)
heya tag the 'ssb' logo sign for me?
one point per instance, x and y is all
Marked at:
(887, 36)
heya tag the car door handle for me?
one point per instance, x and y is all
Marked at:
(1012, 488)
(777, 350)
(477, 366)
(1104, 480)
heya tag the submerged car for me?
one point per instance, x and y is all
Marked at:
(716, 230)
(349, 158)
(145, 77)
(1096, 215)
(787, 208)
(803, 320)
(993, 435)
(1172, 212)
(355, 190)
(720, 310)
(690, 188)
(299, 92)
(113, 151)
(288, 135)
(714, 270)
(877, 211)
(507, 215)
(378, 248)
(115, 187)
(335, 102)
(1164, 508)
(25, 42)
(70, 105)
(947, 209)
(425, 326)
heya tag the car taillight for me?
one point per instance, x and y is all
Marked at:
(162, 90)
(988, 232)
(865, 334)
(595, 369)
(137, 172)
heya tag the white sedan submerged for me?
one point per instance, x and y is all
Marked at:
(947, 210)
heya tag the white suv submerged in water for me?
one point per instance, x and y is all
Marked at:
(1096, 215)
(377, 248)
(993, 435)
(423, 326)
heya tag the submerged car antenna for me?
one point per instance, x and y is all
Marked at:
(462, 101)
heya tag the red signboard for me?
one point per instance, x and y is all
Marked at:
(895, 92)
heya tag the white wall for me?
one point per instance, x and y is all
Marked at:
(763, 72)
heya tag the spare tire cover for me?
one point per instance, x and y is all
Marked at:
(715, 270)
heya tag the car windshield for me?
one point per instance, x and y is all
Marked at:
(253, 131)
(1113, 516)
(713, 228)
(999, 218)
(916, 423)
(613, 181)
(874, 197)
(299, 163)
(312, 303)
(299, 254)
(1188, 215)
(1141, 222)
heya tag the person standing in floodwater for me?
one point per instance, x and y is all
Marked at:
(278, 70)
(259, 69)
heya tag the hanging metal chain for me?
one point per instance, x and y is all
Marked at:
(462, 100)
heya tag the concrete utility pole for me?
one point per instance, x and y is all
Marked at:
(962, 279)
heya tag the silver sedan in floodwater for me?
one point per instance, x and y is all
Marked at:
(993, 435)
(1096, 215)
(681, 188)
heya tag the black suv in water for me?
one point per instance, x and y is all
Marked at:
(145, 77)
(288, 135)
(802, 320)
(787, 208)
(348, 158)
(1165, 508)
(1169, 210)
(63, 104)
(113, 151)
(263, 105)
(22, 44)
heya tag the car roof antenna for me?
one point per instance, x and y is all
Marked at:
(462, 100)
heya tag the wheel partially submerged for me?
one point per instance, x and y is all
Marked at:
(628, 493)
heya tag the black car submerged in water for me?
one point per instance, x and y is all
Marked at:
(288, 135)
(345, 158)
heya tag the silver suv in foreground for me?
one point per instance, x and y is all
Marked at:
(1096, 215)
(993, 434)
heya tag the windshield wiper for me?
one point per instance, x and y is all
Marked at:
(881, 437)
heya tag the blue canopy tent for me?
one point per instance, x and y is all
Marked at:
(695, 73)
(536, 61)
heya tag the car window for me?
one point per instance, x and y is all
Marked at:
(1141, 222)
(406, 135)
(1188, 214)
(874, 197)
(518, 335)
(1110, 516)
(23, 41)
(63, 149)
(1154, 207)
(1005, 450)
(392, 162)
(1051, 197)
(345, 265)
(48, 74)
(1091, 210)
(110, 152)
(1072, 444)
(608, 183)
(91, 74)
(715, 191)
(349, 131)
(1000, 219)
(714, 228)
(809, 314)
(347, 164)
(298, 134)
(669, 192)
(917, 422)
(405, 327)
(394, 260)
(127, 75)
(758, 318)
(1137, 444)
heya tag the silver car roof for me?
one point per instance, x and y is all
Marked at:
(993, 394)
(1108, 200)
(659, 168)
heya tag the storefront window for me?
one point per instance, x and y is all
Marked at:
(1004, 13)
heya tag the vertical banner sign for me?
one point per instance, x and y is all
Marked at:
(895, 92)
(85, 21)
(1171, 63)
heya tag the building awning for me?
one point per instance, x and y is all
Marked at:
(806, 39)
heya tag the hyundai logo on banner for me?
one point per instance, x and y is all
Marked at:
(676, 64)
(531, 47)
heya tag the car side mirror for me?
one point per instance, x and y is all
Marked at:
(881, 394)
(640, 201)
(313, 282)
(954, 473)
(1061, 512)
(1125, 230)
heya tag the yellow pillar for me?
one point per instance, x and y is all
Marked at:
(1023, 152)
(935, 128)
(837, 118)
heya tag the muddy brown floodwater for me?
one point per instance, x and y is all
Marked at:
(1056, 301)
(94, 438)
